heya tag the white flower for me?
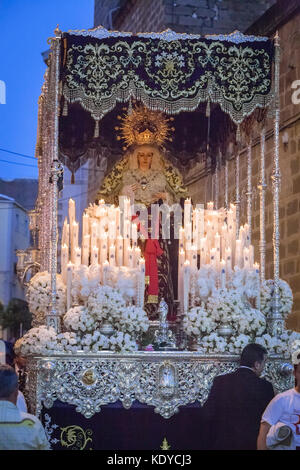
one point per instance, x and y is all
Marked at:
(197, 321)
(285, 297)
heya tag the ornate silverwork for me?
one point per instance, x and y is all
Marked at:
(164, 380)
(262, 217)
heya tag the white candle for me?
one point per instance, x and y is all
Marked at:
(251, 256)
(64, 261)
(77, 256)
(142, 281)
(213, 258)
(103, 248)
(71, 210)
(94, 234)
(74, 240)
(188, 232)
(94, 255)
(203, 251)
(238, 254)
(223, 274)
(134, 234)
(130, 257)
(137, 255)
(210, 206)
(69, 285)
(105, 272)
(246, 258)
(187, 212)
(218, 244)
(195, 228)
(186, 285)
(118, 221)
(112, 230)
(119, 251)
(86, 249)
(112, 255)
(85, 224)
(193, 261)
(228, 261)
(247, 235)
(65, 239)
(126, 252)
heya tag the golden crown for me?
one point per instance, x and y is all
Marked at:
(144, 126)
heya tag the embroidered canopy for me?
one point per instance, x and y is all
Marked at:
(168, 71)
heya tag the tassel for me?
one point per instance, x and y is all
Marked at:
(65, 108)
(96, 132)
(129, 111)
(207, 111)
(73, 178)
(238, 133)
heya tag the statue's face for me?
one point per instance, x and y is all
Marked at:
(145, 156)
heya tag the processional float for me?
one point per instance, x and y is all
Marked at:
(93, 70)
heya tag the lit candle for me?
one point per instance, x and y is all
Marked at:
(187, 212)
(137, 255)
(238, 254)
(103, 248)
(213, 258)
(74, 240)
(193, 261)
(210, 206)
(77, 256)
(105, 267)
(94, 234)
(119, 251)
(134, 234)
(112, 255)
(64, 262)
(203, 251)
(251, 256)
(246, 258)
(95, 255)
(130, 257)
(85, 224)
(228, 261)
(86, 249)
(65, 239)
(186, 285)
(195, 227)
(223, 273)
(69, 285)
(118, 221)
(142, 281)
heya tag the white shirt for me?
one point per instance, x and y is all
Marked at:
(21, 403)
(19, 430)
(285, 407)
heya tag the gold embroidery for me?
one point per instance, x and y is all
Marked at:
(152, 299)
(165, 444)
(75, 437)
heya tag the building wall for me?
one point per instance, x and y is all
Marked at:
(14, 234)
(192, 16)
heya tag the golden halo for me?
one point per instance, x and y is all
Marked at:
(144, 126)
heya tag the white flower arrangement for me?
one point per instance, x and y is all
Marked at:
(122, 342)
(106, 304)
(40, 340)
(225, 306)
(94, 342)
(237, 344)
(252, 322)
(206, 282)
(85, 281)
(285, 297)
(245, 282)
(197, 321)
(133, 320)
(213, 344)
(272, 344)
(39, 296)
(78, 319)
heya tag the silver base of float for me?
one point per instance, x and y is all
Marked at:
(164, 380)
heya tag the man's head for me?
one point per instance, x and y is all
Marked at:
(8, 384)
(254, 356)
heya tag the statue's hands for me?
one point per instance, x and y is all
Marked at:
(161, 195)
(130, 189)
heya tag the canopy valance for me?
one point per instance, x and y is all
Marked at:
(169, 72)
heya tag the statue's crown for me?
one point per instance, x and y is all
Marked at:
(144, 126)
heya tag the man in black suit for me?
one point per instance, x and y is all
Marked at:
(236, 402)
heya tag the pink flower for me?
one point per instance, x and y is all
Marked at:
(149, 347)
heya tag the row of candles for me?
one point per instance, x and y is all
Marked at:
(215, 242)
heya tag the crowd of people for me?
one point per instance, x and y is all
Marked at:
(241, 412)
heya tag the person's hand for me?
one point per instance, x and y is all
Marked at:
(130, 189)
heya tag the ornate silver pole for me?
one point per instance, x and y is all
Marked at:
(237, 193)
(217, 182)
(249, 188)
(276, 322)
(53, 317)
(262, 186)
(226, 185)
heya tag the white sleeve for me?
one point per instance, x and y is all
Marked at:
(274, 410)
(21, 403)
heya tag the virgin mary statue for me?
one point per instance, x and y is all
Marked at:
(146, 177)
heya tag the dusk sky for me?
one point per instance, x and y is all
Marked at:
(25, 27)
